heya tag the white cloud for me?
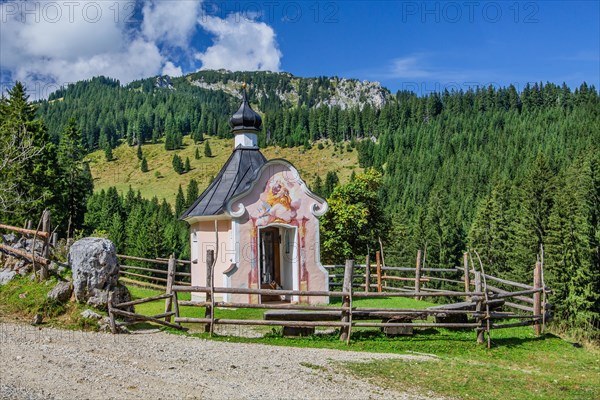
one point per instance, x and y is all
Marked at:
(409, 67)
(71, 41)
(240, 44)
(171, 70)
(170, 22)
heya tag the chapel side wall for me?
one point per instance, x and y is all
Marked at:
(205, 231)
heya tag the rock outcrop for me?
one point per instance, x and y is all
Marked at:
(61, 292)
(95, 272)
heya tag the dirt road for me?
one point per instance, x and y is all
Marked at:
(50, 363)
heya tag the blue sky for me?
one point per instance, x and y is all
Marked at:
(414, 45)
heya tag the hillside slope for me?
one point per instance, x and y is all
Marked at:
(124, 170)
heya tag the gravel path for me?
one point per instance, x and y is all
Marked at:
(50, 363)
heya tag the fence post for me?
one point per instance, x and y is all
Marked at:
(368, 274)
(45, 228)
(467, 277)
(111, 316)
(378, 261)
(418, 275)
(209, 312)
(479, 308)
(537, 297)
(170, 279)
(345, 330)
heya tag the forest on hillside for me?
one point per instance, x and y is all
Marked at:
(513, 175)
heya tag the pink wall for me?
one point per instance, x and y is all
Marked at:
(205, 240)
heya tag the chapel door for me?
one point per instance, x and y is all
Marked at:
(269, 260)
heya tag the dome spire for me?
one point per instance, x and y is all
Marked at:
(245, 118)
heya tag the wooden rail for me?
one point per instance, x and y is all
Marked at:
(484, 305)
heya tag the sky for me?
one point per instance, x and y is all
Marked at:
(405, 45)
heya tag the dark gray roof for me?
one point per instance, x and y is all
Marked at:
(233, 179)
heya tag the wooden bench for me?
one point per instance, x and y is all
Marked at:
(385, 317)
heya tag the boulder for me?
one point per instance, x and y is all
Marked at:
(6, 275)
(96, 272)
(95, 267)
(61, 292)
(91, 314)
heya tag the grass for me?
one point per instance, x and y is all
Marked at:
(519, 365)
(124, 170)
(21, 299)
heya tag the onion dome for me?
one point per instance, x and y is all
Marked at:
(245, 119)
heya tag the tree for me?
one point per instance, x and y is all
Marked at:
(75, 178)
(573, 260)
(317, 187)
(355, 219)
(27, 159)
(187, 167)
(207, 150)
(197, 154)
(192, 193)
(178, 164)
(140, 155)
(144, 166)
(331, 181)
(108, 154)
(179, 202)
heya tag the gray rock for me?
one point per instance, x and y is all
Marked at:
(9, 238)
(39, 245)
(91, 314)
(6, 276)
(37, 319)
(61, 292)
(120, 295)
(95, 267)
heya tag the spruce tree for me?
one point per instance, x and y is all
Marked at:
(108, 154)
(192, 193)
(331, 181)
(178, 164)
(75, 178)
(197, 154)
(139, 152)
(144, 166)
(207, 150)
(318, 187)
(187, 167)
(179, 202)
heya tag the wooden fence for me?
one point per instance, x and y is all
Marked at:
(44, 234)
(484, 303)
(157, 276)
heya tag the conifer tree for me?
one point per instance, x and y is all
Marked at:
(179, 202)
(207, 150)
(144, 165)
(331, 181)
(178, 164)
(318, 187)
(197, 154)
(75, 178)
(192, 193)
(187, 167)
(140, 155)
